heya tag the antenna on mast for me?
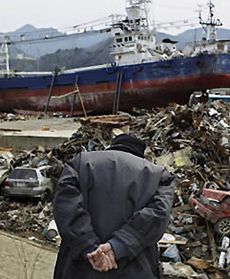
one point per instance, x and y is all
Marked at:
(210, 25)
(138, 10)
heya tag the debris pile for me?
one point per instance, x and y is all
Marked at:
(23, 117)
(193, 143)
(25, 219)
(13, 117)
(95, 134)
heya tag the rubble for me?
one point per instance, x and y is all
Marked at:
(23, 117)
(179, 270)
(26, 219)
(191, 141)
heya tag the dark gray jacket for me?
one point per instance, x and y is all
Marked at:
(117, 197)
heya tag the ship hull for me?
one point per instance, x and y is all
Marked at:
(143, 85)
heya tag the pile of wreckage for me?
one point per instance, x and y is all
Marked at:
(12, 117)
(193, 143)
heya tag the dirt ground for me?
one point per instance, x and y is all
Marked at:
(23, 259)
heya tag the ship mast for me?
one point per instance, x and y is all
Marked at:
(137, 12)
(210, 25)
(4, 56)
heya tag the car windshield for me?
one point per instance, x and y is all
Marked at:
(26, 174)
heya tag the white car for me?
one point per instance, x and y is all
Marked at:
(27, 182)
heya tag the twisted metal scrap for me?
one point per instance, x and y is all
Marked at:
(204, 127)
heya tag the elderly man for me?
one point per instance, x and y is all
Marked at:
(111, 208)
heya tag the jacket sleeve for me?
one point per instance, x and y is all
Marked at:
(73, 220)
(147, 225)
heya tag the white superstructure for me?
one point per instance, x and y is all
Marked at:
(134, 40)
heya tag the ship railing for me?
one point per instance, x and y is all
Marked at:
(11, 74)
(33, 73)
(68, 71)
(24, 74)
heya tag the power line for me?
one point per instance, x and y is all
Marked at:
(106, 22)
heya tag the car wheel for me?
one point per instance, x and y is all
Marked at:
(45, 197)
(222, 227)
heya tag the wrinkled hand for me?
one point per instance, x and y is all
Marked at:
(103, 258)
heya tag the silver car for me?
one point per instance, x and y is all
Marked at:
(27, 182)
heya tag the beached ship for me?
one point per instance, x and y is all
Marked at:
(141, 73)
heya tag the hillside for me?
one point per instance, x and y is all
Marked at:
(191, 36)
(77, 57)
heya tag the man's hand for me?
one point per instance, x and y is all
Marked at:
(103, 258)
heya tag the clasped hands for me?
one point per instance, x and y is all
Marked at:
(103, 258)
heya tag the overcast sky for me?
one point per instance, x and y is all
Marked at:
(64, 14)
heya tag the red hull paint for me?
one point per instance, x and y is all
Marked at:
(99, 98)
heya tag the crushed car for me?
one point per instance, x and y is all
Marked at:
(214, 206)
(28, 182)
